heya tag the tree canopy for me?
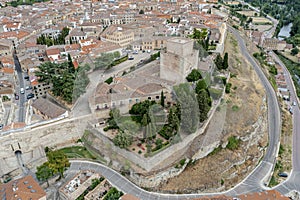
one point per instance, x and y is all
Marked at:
(42, 39)
(57, 163)
(189, 108)
(195, 75)
(222, 63)
(68, 83)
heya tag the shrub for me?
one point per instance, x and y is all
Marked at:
(233, 143)
(109, 80)
(182, 162)
(227, 88)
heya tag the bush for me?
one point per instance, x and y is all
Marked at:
(224, 79)
(113, 193)
(235, 108)
(182, 162)
(222, 182)
(139, 152)
(109, 80)
(273, 70)
(195, 75)
(79, 140)
(47, 149)
(233, 143)
(216, 150)
(227, 88)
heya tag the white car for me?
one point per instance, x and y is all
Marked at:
(22, 91)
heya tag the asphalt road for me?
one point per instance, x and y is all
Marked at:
(22, 98)
(254, 182)
(293, 181)
(123, 184)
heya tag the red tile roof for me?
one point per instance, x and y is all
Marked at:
(23, 188)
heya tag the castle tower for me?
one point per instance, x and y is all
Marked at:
(179, 59)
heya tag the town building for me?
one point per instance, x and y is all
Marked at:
(78, 184)
(47, 109)
(132, 88)
(6, 47)
(118, 35)
(75, 36)
(23, 188)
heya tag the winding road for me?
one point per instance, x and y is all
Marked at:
(293, 182)
(252, 183)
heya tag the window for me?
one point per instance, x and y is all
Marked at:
(157, 97)
(149, 98)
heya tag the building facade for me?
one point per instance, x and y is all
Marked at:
(178, 60)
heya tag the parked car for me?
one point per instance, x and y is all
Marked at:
(282, 174)
(26, 77)
(294, 103)
(22, 91)
(29, 96)
(29, 87)
(291, 110)
(130, 58)
(16, 97)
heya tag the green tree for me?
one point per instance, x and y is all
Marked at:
(200, 45)
(296, 25)
(70, 64)
(139, 109)
(109, 80)
(294, 51)
(195, 75)
(201, 85)
(225, 61)
(189, 114)
(204, 102)
(162, 99)
(219, 62)
(61, 38)
(159, 143)
(122, 139)
(173, 118)
(104, 61)
(57, 162)
(43, 173)
(68, 83)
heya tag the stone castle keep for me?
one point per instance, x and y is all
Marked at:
(178, 60)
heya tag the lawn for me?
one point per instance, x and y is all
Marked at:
(77, 152)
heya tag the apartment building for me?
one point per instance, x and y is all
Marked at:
(118, 35)
(158, 42)
(6, 47)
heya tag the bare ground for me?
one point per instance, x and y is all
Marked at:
(245, 118)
